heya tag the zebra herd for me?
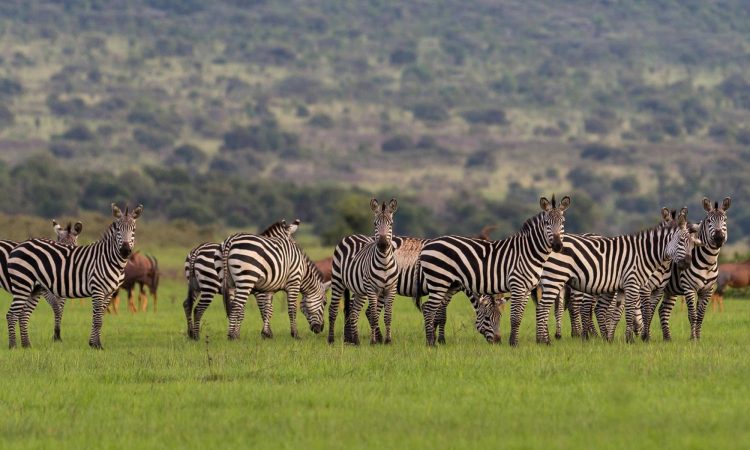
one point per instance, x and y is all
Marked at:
(603, 275)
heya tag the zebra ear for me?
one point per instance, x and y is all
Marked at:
(545, 204)
(726, 203)
(564, 203)
(116, 213)
(137, 212)
(293, 227)
(374, 205)
(693, 228)
(393, 205)
(665, 214)
(55, 226)
(78, 227)
(707, 204)
(681, 220)
(696, 242)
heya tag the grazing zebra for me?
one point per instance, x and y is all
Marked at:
(369, 273)
(510, 265)
(596, 264)
(95, 270)
(263, 264)
(406, 252)
(700, 275)
(205, 278)
(66, 236)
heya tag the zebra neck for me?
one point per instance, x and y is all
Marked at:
(107, 246)
(652, 247)
(705, 256)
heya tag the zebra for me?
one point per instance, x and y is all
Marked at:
(95, 270)
(369, 273)
(408, 284)
(698, 278)
(205, 279)
(595, 265)
(263, 264)
(510, 265)
(64, 235)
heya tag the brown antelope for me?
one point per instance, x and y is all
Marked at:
(143, 270)
(733, 275)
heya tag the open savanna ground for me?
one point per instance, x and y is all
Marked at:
(152, 388)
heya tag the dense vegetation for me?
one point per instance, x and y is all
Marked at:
(241, 112)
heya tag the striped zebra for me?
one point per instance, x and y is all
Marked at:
(409, 284)
(510, 265)
(65, 236)
(263, 264)
(698, 278)
(95, 270)
(205, 278)
(369, 273)
(596, 265)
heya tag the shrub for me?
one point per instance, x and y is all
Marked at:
(484, 158)
(429, 112)
(625, 185)
(74, 107)
(189, 154)
(152, 139)
(402, 56)
(397, 143)
(78, 132)
(485, 116)
(721, 132)
(597, 152)
(321, 120)
(7, 118)
(10, 87)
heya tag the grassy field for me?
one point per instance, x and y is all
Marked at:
(151, 387)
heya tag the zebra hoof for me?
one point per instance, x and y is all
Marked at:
(387, 341)
(266, 334)
(558, 336)
(441, 340)
(330, 339)
(96, 345)
(56, 339)
(26, 345)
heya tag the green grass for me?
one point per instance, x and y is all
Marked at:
(151, 387)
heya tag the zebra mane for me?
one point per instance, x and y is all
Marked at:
(530, 222)
(273, 226)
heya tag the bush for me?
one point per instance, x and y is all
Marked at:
(595, 125)
(264, 137)
(78, 132)
(189, 154)
(743, 136)
(484, 158)
(625, 185)
(397, 143)
(7, 118)
(152, 139)
(721, 132)
(485, 116)
(75, 107)
(402, 56)
(597, 152)
(10, 87)
(321, 120)
(429, 112)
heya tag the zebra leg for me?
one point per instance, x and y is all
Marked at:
(388, 314)
(373, 316)
(265, 305)
(200, 308)
(587, 304)
(703, 298)
(638, 317)
(574, 311)
(13, 315)
(23, 320)
(291, 304)
(429, 311)
(352, 320)
(97, 312)
(631, 302)
(238, 311)
(518, 299)
(333, 309)
(187, 306)
(441, 317)
(648, 306)
(57, 304)
(692, 313)
(601, 309)
(559, 307)
(665, 311)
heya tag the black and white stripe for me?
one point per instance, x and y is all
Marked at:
(263, 264)
(95, 270)
(597, 265)
(453, 263)
(65, 236)
(698, 278)
(369, 273)
(204, 275)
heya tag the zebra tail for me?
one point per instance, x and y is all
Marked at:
(418, 282)
(225, 288)
(192, 282)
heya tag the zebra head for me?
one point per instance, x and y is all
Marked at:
(69, 234)
(124, 229)
(680, 246)
(554, 221)
(488, 310)
(714, 227)
(383, 222)
(314, 298)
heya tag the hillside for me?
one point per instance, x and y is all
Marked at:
(468, 110)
